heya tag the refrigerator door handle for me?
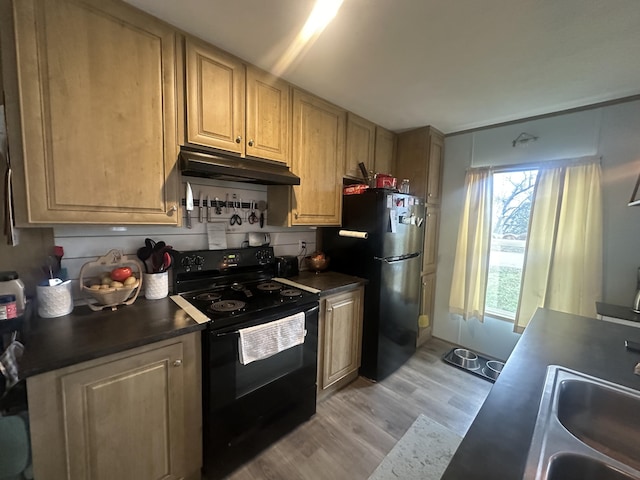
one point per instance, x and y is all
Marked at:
(398, 258)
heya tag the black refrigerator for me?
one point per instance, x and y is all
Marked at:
(381, 240)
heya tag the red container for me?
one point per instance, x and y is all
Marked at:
(354, 189)
(385, 181)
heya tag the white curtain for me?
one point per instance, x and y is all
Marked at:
(471, 264)
(563, 264)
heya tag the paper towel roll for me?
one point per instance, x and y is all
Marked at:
(353, 233)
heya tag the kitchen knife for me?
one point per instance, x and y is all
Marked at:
(209, 219)
(189, 204)
(201, 207)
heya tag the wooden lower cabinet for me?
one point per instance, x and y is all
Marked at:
(132, 415)
(431, 233)
(340, 340)
(427, 296)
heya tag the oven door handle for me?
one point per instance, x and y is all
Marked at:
(307, 313)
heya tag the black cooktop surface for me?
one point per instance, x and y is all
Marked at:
(239, 300)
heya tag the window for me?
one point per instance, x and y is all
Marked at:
(559, 242)
(511, 212)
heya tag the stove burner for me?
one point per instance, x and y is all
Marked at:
(291, 292)
(269, 287)
(208, 297)
(227, 306)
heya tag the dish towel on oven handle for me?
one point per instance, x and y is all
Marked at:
(262, 341)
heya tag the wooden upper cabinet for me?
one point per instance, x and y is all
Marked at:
(215, 97)
(318, 159)
(361, 137)
(436, 157)
(385, 151)
(90, 95)
(268, 116)
(235, 107)
(419, 158)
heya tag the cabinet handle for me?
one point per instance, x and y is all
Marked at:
(177, 363)
(238, 139)
(329, 310)
(295, 214)
(251, 142)
(173, 208)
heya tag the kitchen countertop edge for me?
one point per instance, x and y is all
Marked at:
(497, 443)
(328, 282)
(83, 335)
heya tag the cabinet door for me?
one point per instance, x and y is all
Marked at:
(215, 97)
(127, 410)
(412, 159)
(318, 159)
(129, 416)
(384, 161)
(342, 337)
(430, 251)
(360, 145)
(268, 117)
(436, 156)
(93, 139)
(426, 308)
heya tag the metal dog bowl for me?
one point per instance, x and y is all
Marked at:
(465, 358)
(493, 368)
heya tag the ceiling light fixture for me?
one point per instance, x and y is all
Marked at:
(524, 139)
(323, 12)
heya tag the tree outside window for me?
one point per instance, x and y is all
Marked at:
(512, 200)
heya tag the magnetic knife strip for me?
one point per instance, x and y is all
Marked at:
(221, 204)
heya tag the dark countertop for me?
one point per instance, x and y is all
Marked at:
(617, 311)
(52, 343)
(497, 443)
(328, 282)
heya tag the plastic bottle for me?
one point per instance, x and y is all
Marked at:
(10, 284)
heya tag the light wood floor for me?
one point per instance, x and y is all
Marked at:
(355, 428)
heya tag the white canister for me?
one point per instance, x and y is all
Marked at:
(156, 285)
(55, 301)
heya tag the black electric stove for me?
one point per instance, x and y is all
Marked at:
(246, 407)
(234, 286)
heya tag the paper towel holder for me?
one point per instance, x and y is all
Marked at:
(353, 234)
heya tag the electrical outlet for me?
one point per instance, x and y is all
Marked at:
(302, 244)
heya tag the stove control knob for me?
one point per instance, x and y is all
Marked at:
(199, 262)
(263, 256)
(186, 262)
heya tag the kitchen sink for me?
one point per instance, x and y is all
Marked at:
(569, 466)
(586, 428)
(604, 418)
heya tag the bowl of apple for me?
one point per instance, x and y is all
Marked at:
(317, 262)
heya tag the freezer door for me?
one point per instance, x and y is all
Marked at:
(403, 225)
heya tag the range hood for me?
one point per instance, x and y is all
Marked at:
(209, 163)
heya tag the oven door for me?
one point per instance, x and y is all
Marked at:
(246, 407)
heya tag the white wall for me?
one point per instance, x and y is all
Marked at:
(612, 132)
(84, 243)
